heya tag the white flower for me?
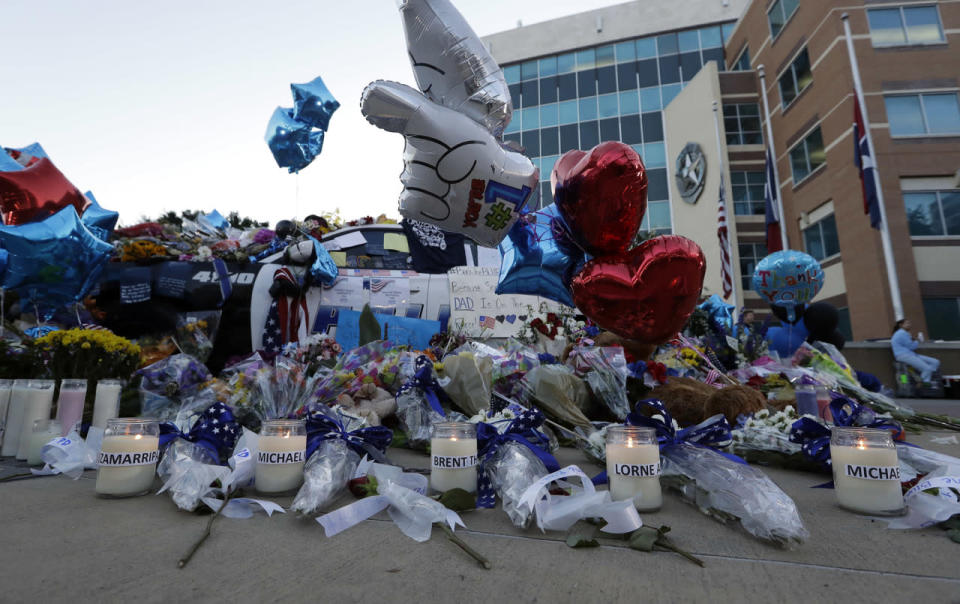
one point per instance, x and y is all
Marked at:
(762, 414)
(204, 252)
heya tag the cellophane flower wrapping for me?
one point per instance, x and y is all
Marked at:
(189, 471)
(416, 417)
(284, 390)
(466, 378)
(166, 384)
(605, 371)
(555, 390)
(512, 469)
(325, 476)
(728, 490)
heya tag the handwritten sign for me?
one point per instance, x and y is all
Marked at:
(478, 311)
(399, 330)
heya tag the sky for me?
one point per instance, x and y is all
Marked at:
(159, 106)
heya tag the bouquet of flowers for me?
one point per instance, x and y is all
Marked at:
(167, 386)
(551, 332)
(466, 378)
(420, 404)
(605, 371)
(91, 353)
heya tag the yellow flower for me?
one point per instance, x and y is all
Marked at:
(85, 346)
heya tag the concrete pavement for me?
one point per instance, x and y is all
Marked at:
(58, 542)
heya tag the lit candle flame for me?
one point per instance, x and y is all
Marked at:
(453, 439)
(861, 444)
(138, 437)
(630, 443)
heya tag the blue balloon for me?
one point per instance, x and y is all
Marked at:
(293, 143)
(787, 339)
(539, 257)
(7, 163)
(33, 150)
(324, 269)
(53, 262)
(720, 312)
(213, 221)
(788, 278)
(4, 258)
(313, 104)
(96, 217)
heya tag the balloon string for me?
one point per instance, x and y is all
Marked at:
(3, 311)
(296, 180)
(76, 309)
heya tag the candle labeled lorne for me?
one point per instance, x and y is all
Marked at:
(633, 466)
(453, 457)
(281, 454)
(128, 457)
(866, 471)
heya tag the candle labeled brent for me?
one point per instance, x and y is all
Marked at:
(453, 457)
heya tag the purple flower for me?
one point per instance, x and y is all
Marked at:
(263, 236)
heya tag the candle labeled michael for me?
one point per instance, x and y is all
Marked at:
(128, 457)
(866, 471)
(453, 455)
(281, 453)
(633, 466)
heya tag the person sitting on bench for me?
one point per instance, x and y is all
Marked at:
(904, 346)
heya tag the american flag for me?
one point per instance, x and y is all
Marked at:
(287, 320)
(866, 166)
(771, 191)
(726, 268)
(488, 322)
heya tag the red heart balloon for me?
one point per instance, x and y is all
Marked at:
(37, 191)
(646, 294)
(602, 196)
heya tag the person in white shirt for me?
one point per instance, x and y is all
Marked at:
(904, 347)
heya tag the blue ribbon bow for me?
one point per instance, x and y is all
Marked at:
(322, 425)
(522, 430)
(216, 431)
(814, 437)
(424, 380)
(711, 433)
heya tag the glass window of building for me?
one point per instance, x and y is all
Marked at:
(844, 326)
(750, 255)
(743, 61)
(920, 114)
(795, 78)
(807, 155)
(779, 13)
(742, 123)
(943, 317)
(904, 25)
(933, 213)
(820, 238)
(710, 37)
(748, 193)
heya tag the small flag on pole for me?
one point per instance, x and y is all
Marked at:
(726, 268)
(774, 242)
(866, 166)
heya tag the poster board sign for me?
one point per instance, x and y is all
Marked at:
(478, 311)
(400, 330)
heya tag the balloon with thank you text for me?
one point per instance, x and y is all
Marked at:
(789, 279)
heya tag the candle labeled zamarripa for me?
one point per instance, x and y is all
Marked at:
(128, 457)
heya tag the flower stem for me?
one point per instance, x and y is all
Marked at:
(193, 549)
(462, 545)
(668, 545)
(15, 476)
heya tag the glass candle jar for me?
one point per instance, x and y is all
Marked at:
(107, 404)
(11, 433)
(44, 430)
(453, 454)
(70, 403)
(633, 466)
(6, 389)
(128, 457)
(866, 472)
(281, 453)
(806, 395)
(38, 404)
(823, 403)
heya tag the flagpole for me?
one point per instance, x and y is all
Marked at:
(773, 156)
(892, 277)
(726, 211)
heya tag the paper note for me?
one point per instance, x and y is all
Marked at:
(345, 292)
(396, 242)
(389, 293)
(488, 256)
(339, 258)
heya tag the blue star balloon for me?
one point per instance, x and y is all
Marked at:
(213, 221)
(539, 258)
(313, 104)
(4, 257)
(720, 312)
(7, 163)
(788, 278)
(293, 143)
(96, 216)
(53, 262)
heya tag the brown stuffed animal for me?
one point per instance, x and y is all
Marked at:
(369, 402)
(733, 401)
(684, 398)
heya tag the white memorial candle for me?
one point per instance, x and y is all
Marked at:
(6, 389)
(453, 454)
(38, 405)
(280, 456)
(633, 466)
(866, 472)
(107, 404)
(18, 401)
(128, 457)
(44, 430)
(73, 394)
